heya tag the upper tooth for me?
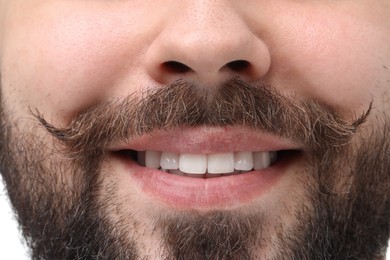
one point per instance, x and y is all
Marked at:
(213, 163)
(152, 159)
(243, 161)
(141, 158)
(261, 160)
(220, 163)
(169, 161)
(273, 156)
(193, 163)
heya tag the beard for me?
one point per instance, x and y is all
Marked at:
(58, 187)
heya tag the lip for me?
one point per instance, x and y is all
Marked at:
(205, 193)
(202, 140)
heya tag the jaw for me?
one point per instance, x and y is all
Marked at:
(267, 200)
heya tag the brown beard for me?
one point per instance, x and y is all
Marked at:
(59, 219)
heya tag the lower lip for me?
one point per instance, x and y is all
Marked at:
(202, 193)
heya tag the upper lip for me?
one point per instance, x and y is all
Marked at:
(206, 140)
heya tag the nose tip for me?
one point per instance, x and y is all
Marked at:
(208, 50)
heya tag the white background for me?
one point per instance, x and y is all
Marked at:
(11, 245)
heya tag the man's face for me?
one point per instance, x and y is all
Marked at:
(197, 129)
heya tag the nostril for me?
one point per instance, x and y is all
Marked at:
(175, 67)
(238, 65)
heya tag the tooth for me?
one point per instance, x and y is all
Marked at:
(194, 175)
(220, 163)
(243, 161)
(261, 160)
(177, 172)
(169, 161)
(152, 159)
(193, 163)
(273, 157)
(141, 158)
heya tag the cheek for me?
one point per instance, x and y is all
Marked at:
(70, 57)
(336, 59)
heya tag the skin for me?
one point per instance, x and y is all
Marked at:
(62, 57)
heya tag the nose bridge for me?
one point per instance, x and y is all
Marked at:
(209, 20)
(207, 37)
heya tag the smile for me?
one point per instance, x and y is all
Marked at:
(204, 165)
(206, 169)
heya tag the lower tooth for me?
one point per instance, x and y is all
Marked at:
(194, 175)
(206, 175)
(177, 172)
(212, 175)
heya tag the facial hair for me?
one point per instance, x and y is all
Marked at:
(64, 219)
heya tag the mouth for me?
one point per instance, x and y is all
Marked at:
(205, 169)
(207, 165)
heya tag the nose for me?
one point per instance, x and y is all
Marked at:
(207, 41)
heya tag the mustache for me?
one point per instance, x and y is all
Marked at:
(185, 104)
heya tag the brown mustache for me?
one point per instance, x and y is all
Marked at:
(183, 104)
